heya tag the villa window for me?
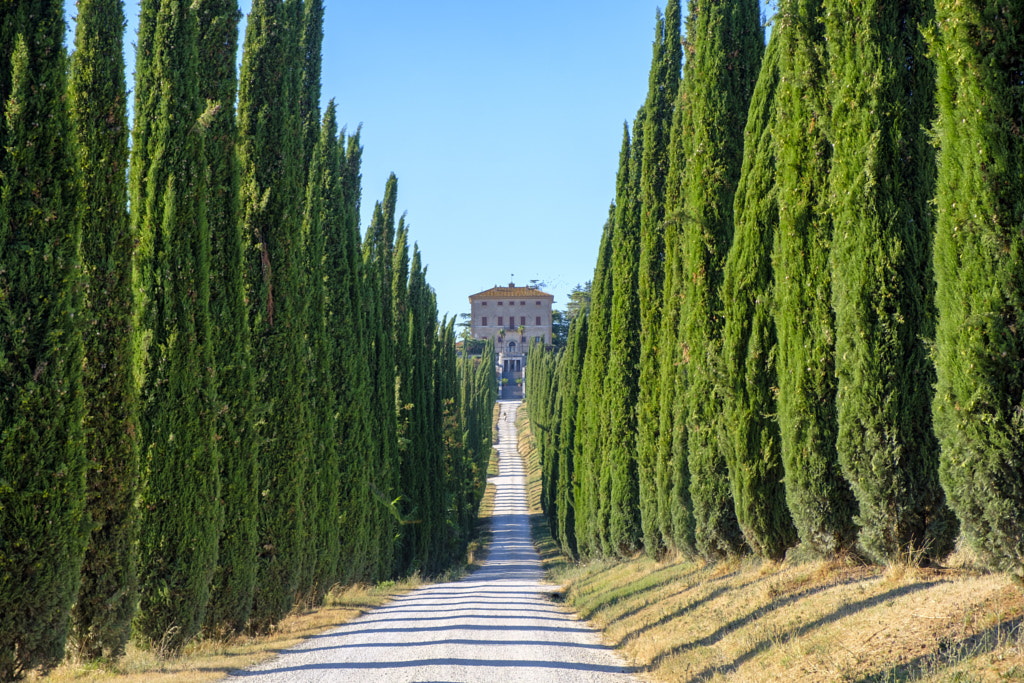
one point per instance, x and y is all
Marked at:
(522, 320)
(484, 323)
(538, 320)
(501, 321)
(538, 303)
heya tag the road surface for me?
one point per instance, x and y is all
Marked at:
(493, 626)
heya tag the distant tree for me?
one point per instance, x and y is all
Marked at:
(979, 271)
(559, 329)
(43, 524)
(108, 595)
(579, 300)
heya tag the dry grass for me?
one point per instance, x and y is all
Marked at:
(746, 619)
(212, 660)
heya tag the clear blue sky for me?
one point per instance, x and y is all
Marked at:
(502, 121)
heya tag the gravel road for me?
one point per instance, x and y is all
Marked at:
(493, 626)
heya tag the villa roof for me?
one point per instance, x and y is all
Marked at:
(510, 292)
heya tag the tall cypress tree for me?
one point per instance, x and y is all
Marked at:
(271, 159)
(818, 496)
(571, 377)
(349, 370)
(622, 388)
(324, 207)
(671, 471)
(725, 42)
(747, 377)
(590, 433)
(180, 508)
(235, 579)
(109, 592)
(662, 90)
(882, 98)
(979, 271)
(43, 523)
(378, 266)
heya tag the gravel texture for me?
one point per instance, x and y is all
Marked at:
(496, 625)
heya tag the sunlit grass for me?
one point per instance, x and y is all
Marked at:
(745, 619)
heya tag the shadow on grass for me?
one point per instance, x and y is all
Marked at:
(734, 665)
(950, 652)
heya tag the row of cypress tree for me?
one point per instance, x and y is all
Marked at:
(804, 317)
(218, 398)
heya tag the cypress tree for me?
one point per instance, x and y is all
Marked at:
(750, 434)
(671, 471)
(979, 272)
(571, 377)
(106, 600)
(661, 95)
(590, 434)
(324, 207)
(818, 497)
(271, 160)
(378, 265)
(349, 370)
(422, 473)
(235, 579)
(43, 523)
(725, 42)
(181, 516)
(881, 181)
(621, 387)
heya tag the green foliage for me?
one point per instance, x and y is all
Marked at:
(311, 41)
(324, 207)
(108, 595)
(571, 374)
(346, 310)
(881, 89)
(271, 160)
(663, 88)
(979, 271)
(181, 516)
(621, 385)
(819, 498)
(671, 470)
(590, 433)
(378, 267)
(724, 42)
(238, 403)
(747, 377)
(43, 523)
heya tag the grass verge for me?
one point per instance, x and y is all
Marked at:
(746, 619)
(212, 660)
